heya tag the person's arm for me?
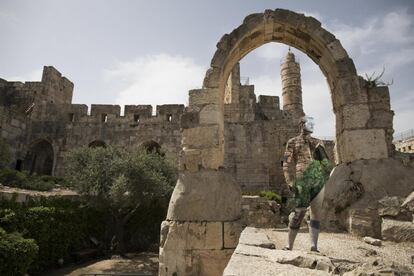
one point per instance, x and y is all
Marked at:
(289, 164)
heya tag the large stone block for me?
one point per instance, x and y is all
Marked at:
(191, 160)
(201, 137)
(336, 50)
(204, 96)
(364, 222)
(206, 195)
(399, 231)
(211, 114)
(205, 235)
(348, 91)
(212, 262)
(231, 232)
(212, 158)
(354, 116)
(363, 144)
(192, 248)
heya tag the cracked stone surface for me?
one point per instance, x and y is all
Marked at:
(341, 254)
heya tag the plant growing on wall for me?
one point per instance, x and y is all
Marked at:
(374, 80)
(121, 180)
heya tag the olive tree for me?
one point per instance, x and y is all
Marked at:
(121, 181)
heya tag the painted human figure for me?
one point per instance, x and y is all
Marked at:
(300, 152)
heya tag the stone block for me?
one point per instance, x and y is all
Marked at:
(399, 231)
(190, 119)
(206, 195)
(212, 78)
(336, 50)
(372, 241)
(390, 206)
(363, 144)
(204, 235)
(211, 114)
(408, 203)
(204, 96)
(348, 91)
(381, 118)
(231, 234)
(212, 158)
(212, 262)
(191, 160)
(201, 137)
(364, 222)
(354, 116)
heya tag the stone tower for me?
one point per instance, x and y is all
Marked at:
(291, 86)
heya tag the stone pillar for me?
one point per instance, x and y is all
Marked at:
(291, 86)
(203, 225)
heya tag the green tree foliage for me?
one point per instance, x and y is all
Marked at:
(23, 180)
(311, 182)
(5, 155)
(16, 254)
(122, 180)
(58, 226)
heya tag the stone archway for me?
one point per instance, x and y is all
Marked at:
(202, 225)
(40, 158)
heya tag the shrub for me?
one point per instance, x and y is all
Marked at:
(59, 227)
(16, 253)
(12, 177)
(17, 179)
(271, 196)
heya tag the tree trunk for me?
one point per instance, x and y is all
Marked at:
(118, 240)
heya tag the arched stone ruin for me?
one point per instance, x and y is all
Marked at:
(202, 225)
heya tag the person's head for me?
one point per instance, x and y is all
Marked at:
(307, 123)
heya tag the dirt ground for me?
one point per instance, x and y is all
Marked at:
(142, 263)
(344, 248)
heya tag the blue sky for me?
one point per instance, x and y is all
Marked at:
(153, 52)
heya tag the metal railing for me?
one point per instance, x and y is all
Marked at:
(404, 135)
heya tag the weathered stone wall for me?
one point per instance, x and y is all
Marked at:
(255, 130)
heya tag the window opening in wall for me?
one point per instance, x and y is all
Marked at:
(136, 118)
(104, 118)
(281, 163)
(19, 163)
(71, 117)
(169, 117)
(409, 147)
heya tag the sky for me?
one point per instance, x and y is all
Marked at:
(153, 52)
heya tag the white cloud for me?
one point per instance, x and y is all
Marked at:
(381, 41)
(156, 79)
(9, 18)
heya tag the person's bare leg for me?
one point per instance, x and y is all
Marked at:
(294, 225)
(315, 218)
